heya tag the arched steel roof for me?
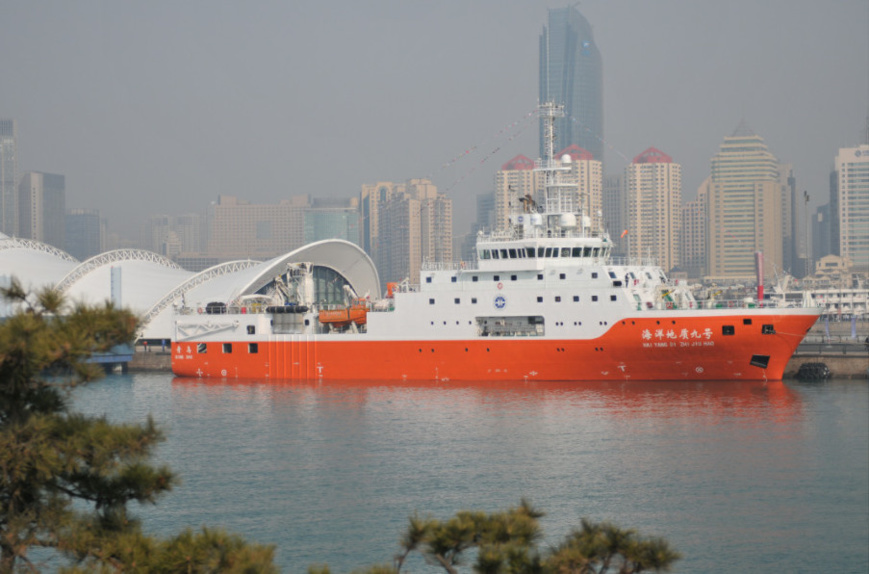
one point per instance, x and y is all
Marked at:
(342, 256)
(108, 258)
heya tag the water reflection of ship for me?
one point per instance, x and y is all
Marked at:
(706, 400)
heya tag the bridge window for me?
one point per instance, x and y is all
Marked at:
(495, 254)
(529, 251)
(586, 252)
(565, 251)
(513, 254)
(577, 252)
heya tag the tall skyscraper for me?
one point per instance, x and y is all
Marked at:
(405, 225)
(852, 205)
(653, 185)
(85, 233)
(693, 241)
(745, 209)
(42, 208)
(571, 74)
(8, 176)
(821, 231)
(332, 219)
(614, 211)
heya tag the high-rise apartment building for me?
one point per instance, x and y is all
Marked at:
(571, 74)
(174, 235)
(851, 203)
(85, 233)
(405, 225)
(239, 229)
(586, 173)
(693, 240)
(653, 189)
(8, 177)
(745, 209)
(516, 179)
(42, 208)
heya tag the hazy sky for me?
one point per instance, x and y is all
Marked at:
(160, 106)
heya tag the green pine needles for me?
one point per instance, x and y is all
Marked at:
(66, 479)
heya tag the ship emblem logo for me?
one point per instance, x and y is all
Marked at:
(500, 302)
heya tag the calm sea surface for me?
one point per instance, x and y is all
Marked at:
(738, 477)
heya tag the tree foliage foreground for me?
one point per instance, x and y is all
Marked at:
(66, 479)
(508, 542)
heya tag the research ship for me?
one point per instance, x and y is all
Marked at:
(545, 301)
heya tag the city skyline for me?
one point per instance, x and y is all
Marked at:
(143, 126)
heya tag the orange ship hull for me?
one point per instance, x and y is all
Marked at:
(635, 348)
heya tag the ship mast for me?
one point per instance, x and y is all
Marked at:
(560, 195)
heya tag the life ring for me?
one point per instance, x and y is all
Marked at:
(500, 285)
(669, 304)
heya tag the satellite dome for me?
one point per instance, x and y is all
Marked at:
(566, 158)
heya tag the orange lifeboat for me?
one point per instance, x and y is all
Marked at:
(340, 318)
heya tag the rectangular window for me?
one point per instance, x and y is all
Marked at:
(767, 330)
(512, 277)
(728, 330)
(253, 348)
(474, 278)
(746, 321)
(540, 299)
(473, 300)
(540, 276)
(496, 277)
(428, 279)
(558, 298)
(594, 297)
(529, 251)
(201, 348)
(613, 298)
(562, 276)
(453, 279)
(457, 300)
(576, 298)
(431, 301)
(594, 275)
(251, 330)
(227, 348)
(577, 252)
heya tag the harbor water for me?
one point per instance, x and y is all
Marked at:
(737, 476)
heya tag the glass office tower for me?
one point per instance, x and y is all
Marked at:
(571, 74)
